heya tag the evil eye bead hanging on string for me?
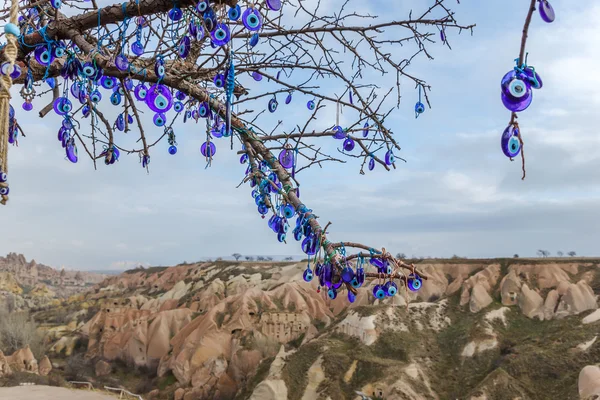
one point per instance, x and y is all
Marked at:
(274, 5)
(510, 143)
(219, 80)
(390, 288)
(546, 11)
(254, 39)
(159, 98)
(288, 99)
(62, 106)
(208, 149)
(159, 119)
(338, 132)
(348, 144)
(414, 282)
(140, 92)
(419, 107)
(56, 3)
(257, 76)
(389, 157)
(159, 68)
(183, 48)
(252, 19)
(311, 105)
(273, 104)
(221, 35)
(308, 274)
(516, 91)
(115, 98)
(286, 158)
(121, 62)
(234, 12)
(175, 14)
(43, 55)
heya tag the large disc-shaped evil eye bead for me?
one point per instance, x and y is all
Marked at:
(355, 283)
(297, 234)
(137, 48)
(88, 70)
(286, 158)
(62, 106)
(389, 157)
(546, 11)
(390, 288)
(56, 3)
(347, 274)
(511, 146)
(219, 80)
(517, 105)
(172, 150)
(159, 98)
(263, 209)
(254, 39)
(159, 119)
(273, 105)
(288, 99)
(378, 292)
(180, 95)
(311, 105)
(115, 98)
(71, 151)
(183, 48)
(419, 108)
(349, 144)
(288, 211)
(221, 35)
(534, 78)
(338, 132)
(107, 82)
(95, 97)
(252, 19)
(175, 14)
(516, 91)
(414, 282)
(121, 62)
(307, 275)
(208, 149)
(234, 13)
(159, 68)
(203, 109)
(202, 6)
(140, 92)
(178, 106)
(332, 293)
(274, 5)
(43, 56)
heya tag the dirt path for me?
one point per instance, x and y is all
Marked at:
(50, 393)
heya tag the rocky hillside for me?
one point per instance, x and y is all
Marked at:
(26, 284)
(478, 329)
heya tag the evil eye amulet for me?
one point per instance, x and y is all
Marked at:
(175, 14)
(307, 275)
(332, 293)
(414, 283)
(178, 106)
(546, 11)
(389, 157)
(43, 55)
(252, 19)
(172, 150)
(349, 144)
(310, 105)
(202, 6)
(221, 35)
(516, 91)
(3, 177)
(390, 288)
(62, 106)
(56, 3)
(208, 149)
(140, 92)
(234, 12)
(288, 99)
(254, 39)
(419, 108)
(371, 164)
(183, 48)
(511, 146)
(115, 98)
(351, 297)
(366, 129)
(288, 211)
(273, 105)
(107, 82)
(378, 292)
(159, 119)
(137, 48)
(159, 68)
(274, 5)
(159, 98)
(219, 80)
(121, 62)
(347, 274)
(286, 158)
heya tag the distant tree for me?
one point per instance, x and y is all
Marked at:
(219, 259)
(516, 256)
(237, 256)
(260, 258)
(288, 258)
(543, 253)
(559, 253)
(78, 276)
(401, 256)
(572, 253)
(269, 258)
(249, 258)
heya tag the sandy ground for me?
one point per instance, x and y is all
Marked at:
(49, 393)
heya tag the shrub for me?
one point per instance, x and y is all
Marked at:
(17, 330)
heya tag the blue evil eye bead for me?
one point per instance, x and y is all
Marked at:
(175, 14)
(107, 82)
(115, 98)
(511, 146)
(85, 111)
(178, 106)
(252, 19)
(221, 35)
(443, 36)
(389, 157)
(349, 144)
(307, 275)
(137, 48)
(281, 237)
(159, 68)
(208, 149)
(288, 211)
(210, 26)
(183, 48)
(365, 131)
(310, 105)
(288, 99)
(159, 119)
(140, 92)
(121, 62)
(332, 293)
(43, 56)
(244, 159)
(179, 95)
(378, 292)
(254, 39)
(355, 282)
(234, 13)
(7, 69)
(62, 106)
(145, 161)
(3, 176)
(351, 297)
(172, 150)
(516, 92)
(203, 109)
(414, 282)
(4, 191)
(347, 274)
(274, 5)
(128, 84)
(202, 6)
(390, 288)
(546, 11)
(159, 98)
(338, 132)
(263, 209)
(534, 78)
(219, 80)
(419, 108)
(71, 151)
(297, 234)
(120, 123)
(286, 158)
(27, 106)
(88, 70)
(95, 97)
(273, 105)
(193, 29)
(257, 76)
(16, 72)
(129, 119)
(51, 82)
(371, 164)
(350, 97)
(56, 3)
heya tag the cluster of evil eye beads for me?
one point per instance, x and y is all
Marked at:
(13, 132)
(517, 90)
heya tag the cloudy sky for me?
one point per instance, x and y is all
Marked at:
(457, 194)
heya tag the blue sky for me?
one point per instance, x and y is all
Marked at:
(457, 194)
